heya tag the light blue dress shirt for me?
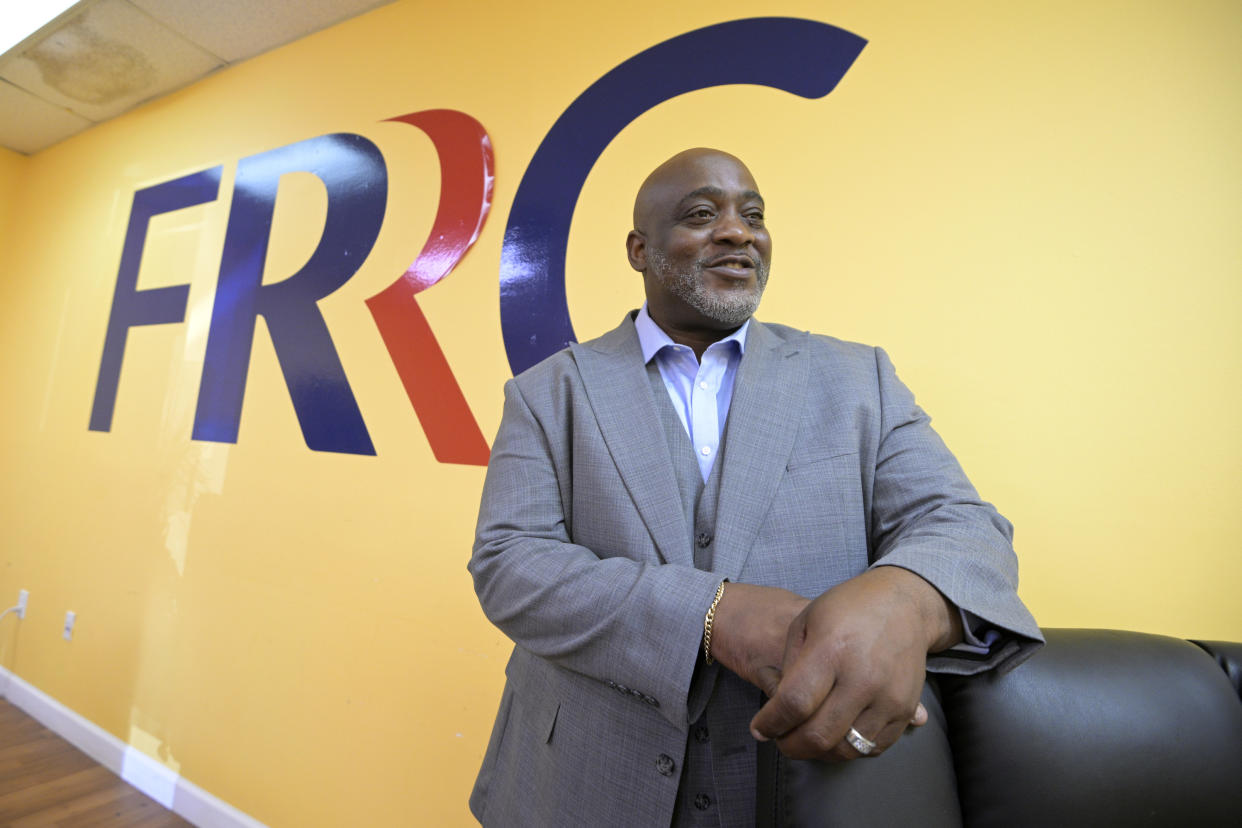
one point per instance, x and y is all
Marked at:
(700, 391)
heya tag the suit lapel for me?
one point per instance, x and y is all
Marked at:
(768, 397)
(617, 385)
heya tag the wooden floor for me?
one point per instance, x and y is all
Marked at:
(45, 781)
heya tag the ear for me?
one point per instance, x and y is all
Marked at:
(636, 249)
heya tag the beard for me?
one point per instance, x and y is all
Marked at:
(729, 306)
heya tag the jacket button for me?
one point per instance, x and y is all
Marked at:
(652, 700)
(665, 764)
(702, 802)
(703, 539)
(700, 734)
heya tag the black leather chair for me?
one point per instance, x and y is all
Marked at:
(1099, 728)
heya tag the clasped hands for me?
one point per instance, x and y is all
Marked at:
(853, 657)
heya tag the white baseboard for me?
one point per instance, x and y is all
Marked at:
(155, 780)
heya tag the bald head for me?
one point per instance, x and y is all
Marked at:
(675, 178)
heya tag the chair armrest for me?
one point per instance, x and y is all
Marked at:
(912, 783)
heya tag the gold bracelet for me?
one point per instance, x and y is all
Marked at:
(707, 623)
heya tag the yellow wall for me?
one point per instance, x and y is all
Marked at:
(12, 166)
(1034, 207)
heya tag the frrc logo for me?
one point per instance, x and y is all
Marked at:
(803, 57)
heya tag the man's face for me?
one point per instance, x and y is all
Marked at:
(701, 243)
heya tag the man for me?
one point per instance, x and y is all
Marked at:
(696, 510)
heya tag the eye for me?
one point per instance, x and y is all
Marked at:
(701, 213)
(755, 217)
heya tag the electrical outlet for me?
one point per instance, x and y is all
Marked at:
(70, 618)
(22, 598)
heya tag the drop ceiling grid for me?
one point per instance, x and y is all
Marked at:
(103, 57)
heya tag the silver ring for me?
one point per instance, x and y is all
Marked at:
(859, 742)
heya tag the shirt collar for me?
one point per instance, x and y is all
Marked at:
(652, 338)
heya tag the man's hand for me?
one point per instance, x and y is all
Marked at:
(751, 627)
(855, 657)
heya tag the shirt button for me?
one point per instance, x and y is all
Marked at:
(706, 450)
(703, 539)
(703, 384)
(700, 734)
(702, 802)
(665, 764)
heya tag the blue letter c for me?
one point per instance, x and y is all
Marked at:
(802, 57)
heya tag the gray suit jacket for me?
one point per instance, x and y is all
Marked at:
(582, 554)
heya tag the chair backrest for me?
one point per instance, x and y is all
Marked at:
(1099, 728)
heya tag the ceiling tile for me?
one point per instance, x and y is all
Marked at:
(240, 29)
(106, 59)
(29, 124)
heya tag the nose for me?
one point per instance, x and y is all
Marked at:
(732, 228)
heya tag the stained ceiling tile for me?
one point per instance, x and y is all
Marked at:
(240, 29)
(29, 124)
(105, 59)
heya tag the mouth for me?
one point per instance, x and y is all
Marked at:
(733, 263)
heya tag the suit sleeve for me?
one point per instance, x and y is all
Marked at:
(927, 517)
(631, 623)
